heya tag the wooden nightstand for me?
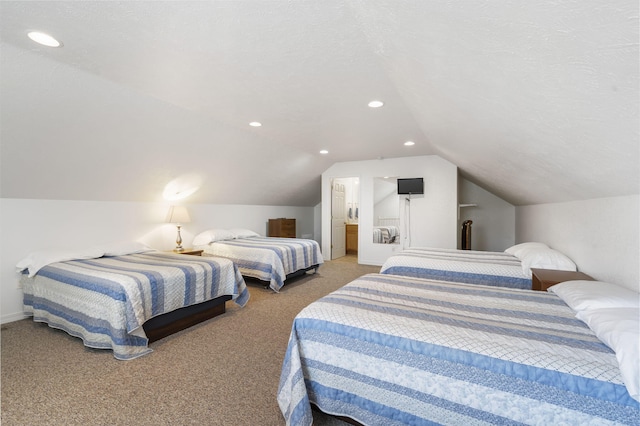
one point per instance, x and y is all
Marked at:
(282, 228)
(542, 279)
(190, 251)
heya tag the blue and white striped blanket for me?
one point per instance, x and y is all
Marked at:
(267, 258)
(392, 350)
(465, 266)
(105, 301)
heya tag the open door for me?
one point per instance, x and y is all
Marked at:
(338, 221)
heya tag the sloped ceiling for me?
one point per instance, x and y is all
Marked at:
(535, 101)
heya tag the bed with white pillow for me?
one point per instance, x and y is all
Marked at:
(394, 350)
(124, 296)
(268, 259)
(386, 234)
(511, 268)
(386, 230)
(612, 312)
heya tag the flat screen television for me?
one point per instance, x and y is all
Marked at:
(411, 186)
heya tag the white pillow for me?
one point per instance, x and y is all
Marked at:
(243, 233)
(122, 248)
(545, 258)
(211, 236)
(619, 328)
(39, 259)
(519, 249)
(581, 295)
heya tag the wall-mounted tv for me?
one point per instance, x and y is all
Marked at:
(411, 186)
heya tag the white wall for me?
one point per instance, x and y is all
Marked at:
(433, 215)
(30, 225)
(494, 220)
(388, 207)
(601, 235)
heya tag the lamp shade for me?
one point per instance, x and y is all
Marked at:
(178, 214)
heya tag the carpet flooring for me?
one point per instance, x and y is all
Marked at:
(224, 371)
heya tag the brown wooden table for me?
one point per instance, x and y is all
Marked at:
(542, 279)
(190, 251)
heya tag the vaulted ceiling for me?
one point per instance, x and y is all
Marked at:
(536, 101)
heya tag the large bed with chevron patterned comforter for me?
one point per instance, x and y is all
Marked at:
(269, 259)
(394, 350)
(467, 266)
(109, 301)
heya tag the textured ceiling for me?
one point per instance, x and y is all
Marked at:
(535, 101)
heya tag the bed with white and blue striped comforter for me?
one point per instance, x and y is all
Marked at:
(268, 259)
(105, 301)
(465, 266)
(392, 350)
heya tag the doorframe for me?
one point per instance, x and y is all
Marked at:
(327, 183)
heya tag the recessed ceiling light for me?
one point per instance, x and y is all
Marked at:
(44, 39)
(376, 104)
(324, 151)
(409, 143)
(255, 124)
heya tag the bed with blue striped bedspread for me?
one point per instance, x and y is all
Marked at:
(392, 350)
(268, 259)
(466, 266)
(105, 301)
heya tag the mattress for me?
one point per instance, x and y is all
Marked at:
(267, 258)
(466, 266)
(395, 350)
(105, 301)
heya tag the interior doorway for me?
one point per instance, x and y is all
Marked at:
(338, 220)
(345, 195)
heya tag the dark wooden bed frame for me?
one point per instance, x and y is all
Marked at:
(341, 418)
(300, 272)
(167, 324)
(171, 322)
(295, 274)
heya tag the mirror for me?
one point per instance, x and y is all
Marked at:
(386, 211)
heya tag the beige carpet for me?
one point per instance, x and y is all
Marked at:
(222, 372)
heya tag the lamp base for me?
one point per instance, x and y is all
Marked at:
(178, 241)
